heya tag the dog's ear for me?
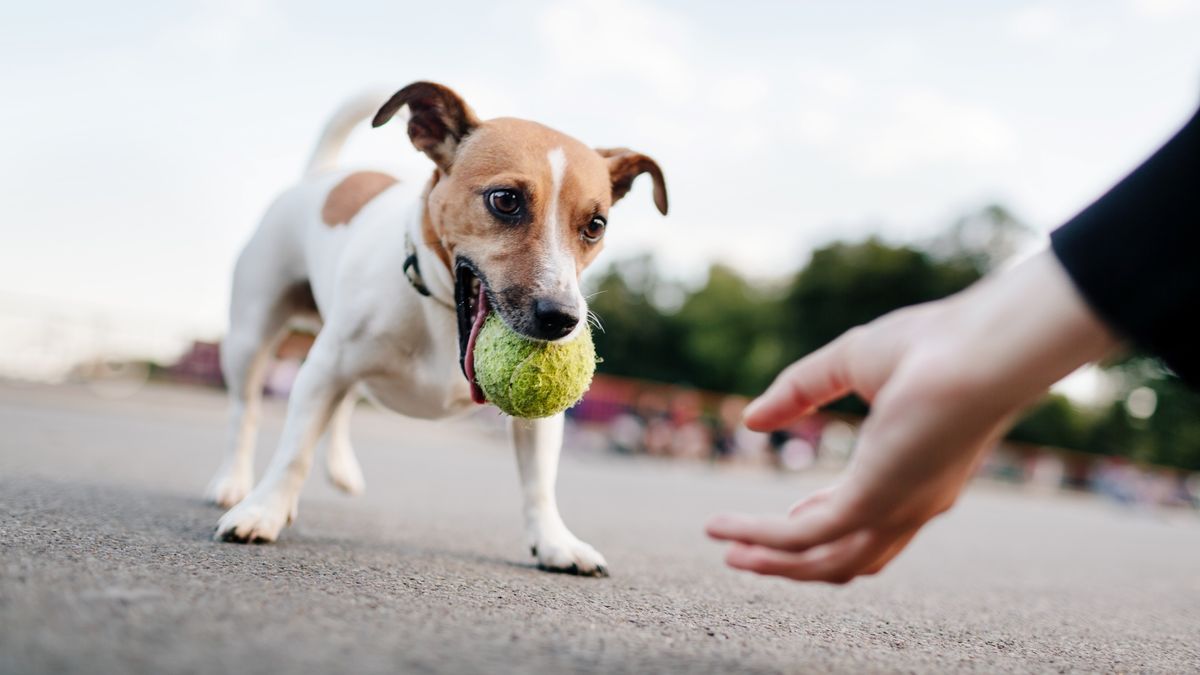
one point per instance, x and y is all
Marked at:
(624, 165)
(439, 119)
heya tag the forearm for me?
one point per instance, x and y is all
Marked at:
(1028, 327)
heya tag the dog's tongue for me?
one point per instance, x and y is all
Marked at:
(481, 312)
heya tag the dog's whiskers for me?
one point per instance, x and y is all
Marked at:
(594, 320)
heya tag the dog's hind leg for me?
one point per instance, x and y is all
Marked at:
(320, 386)
(245, 356)
(260, 309)
(340, 462)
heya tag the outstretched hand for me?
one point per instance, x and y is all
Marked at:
(944, 380)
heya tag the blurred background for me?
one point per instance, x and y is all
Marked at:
(826, 162)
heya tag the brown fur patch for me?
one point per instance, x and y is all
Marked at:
(348, 197)
(428, 232)
(439, 119)
(625, 165)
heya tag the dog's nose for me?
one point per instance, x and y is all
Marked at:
(554, 319)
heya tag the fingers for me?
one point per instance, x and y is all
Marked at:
(838, 562)
(812, 544)
(801, 388)
(804, 530)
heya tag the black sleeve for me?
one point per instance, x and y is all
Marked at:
(1135, 253)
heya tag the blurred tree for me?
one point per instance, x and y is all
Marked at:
(729, 334)
(845, 285)
(1174, 427)
(1114, 433)
(983, 239)
(635, 337)
(1054, 421)
(1167, 433)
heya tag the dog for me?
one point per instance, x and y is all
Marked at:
(398, 278)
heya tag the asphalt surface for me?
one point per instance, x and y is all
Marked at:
(106, 565)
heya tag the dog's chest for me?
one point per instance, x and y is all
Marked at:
(421, 393)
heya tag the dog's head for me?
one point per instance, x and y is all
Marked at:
(516, 210)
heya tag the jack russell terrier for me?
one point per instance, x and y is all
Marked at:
(390, 272)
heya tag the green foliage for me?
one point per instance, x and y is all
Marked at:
(846, 285)
(635, 337)
(1170, 436)
(1113, 432)
(729, 317)
(1174, 428)
(1056, 422)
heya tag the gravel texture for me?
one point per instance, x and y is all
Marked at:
(106, 564)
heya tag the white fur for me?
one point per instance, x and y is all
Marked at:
(379, 334)
(558, 270)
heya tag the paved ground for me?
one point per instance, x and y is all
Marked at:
(106, 565)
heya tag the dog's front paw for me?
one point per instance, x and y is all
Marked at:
(228, 488)
(254, 521)
(565, 553)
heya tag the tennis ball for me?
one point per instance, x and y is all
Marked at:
(527, 378)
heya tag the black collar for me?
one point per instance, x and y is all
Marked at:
(412, 270)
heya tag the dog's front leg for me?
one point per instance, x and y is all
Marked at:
(538, 443)
(271, 505)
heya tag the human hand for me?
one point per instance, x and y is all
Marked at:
(945, 380)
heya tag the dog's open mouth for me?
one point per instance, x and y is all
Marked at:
(470, 294)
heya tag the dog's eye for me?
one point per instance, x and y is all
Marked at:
(503, 203)
(594, 230)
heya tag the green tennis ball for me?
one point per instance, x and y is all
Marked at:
(527, 378)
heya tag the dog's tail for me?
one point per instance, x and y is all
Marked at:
(338, 129)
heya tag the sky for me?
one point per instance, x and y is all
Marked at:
(142, 140)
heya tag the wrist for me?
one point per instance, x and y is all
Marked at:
(1030, 324)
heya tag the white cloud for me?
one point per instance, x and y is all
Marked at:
(1165, 8)
(621, 38)
(816, 126)
(739, 91)
(1036, 22)
(923, 127)
(219, 28)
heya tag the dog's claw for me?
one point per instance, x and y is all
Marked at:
(599, 572)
